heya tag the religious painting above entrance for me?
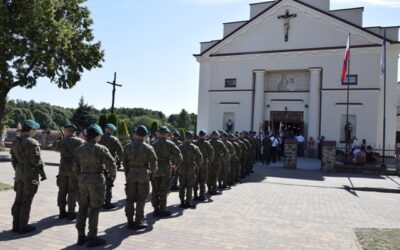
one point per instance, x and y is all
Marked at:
(288, 81)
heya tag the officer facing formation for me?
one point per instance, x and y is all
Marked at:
(208, 155)
(192, 161)
(139, 161)
(27, 163)
(168, 157)
(90, 160)
(66, 181)
(114, 146)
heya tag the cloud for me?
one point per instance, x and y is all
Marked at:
(383, 3)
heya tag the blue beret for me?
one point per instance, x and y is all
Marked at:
(189, 134)
(70, 126)
(111, 126)
(215, 133)
(176, 133)
(32, 124)
(164, 129)
(203, 132)
(141, 129)
(94, 128)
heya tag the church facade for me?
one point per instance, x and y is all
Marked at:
(281, 69)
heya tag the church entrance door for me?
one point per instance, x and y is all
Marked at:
(289, 121)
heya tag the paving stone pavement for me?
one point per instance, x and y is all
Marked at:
(273, 209)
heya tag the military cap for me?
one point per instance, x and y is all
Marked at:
(231, 135)
(189, 134)
(141, 129)
(215, 133)
(164, 129)
(203, 132)
(70, 126)
(32, 124)
(111, 126)
(176, 133)
(95, 128)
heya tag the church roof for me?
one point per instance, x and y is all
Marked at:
(302, 3)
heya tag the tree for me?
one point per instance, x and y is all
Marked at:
(61, 117)
(153, 127)
(103, 121)
(44, 38)
(19, 115)
(123, 132)
(83, 115)
(44, 119)
(112, 118)
(184, 120)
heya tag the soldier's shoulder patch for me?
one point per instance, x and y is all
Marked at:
(32, 141)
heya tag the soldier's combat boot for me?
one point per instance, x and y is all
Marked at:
(165, 213)
(190, 205)
(26, 229)
(82, 239)
(71, 216)
(201, 198)
(183, 205)
(63, 213)
(131, 225)
(107, 206)
(156, 213)
(139, 226)
(95, 241)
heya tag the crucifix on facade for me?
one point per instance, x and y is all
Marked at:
(286, 19)
(114, 83)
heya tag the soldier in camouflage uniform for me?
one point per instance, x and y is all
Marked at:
(226, 163)
(66, 181)
(90, 162)
(192, 161)
(235, 163)
(139, 162)
(247, 155)
(241, 160)
(114, 146)
(175, 139)
(208, 155)
(214, 169)
(168, 156)
(27, 163)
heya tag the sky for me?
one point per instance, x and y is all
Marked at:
(150, 44)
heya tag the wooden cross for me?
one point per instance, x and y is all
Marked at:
(286, 19)
(114, 83)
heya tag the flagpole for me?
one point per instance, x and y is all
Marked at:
(384, 98)
(348, 100)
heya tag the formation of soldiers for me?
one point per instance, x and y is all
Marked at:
(88, 169)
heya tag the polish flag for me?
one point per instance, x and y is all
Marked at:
(346, 61)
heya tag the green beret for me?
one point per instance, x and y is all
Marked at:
(203, 132)
(215, 133)
(111, 126)
(32, 124)
(70, 126)
(189, 134)
(164, 129)
(95, 128)
(141, 129)
(176, 133)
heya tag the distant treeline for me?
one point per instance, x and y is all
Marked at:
(52, 117)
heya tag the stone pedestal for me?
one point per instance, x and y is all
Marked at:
(328, 156)
(290, 157)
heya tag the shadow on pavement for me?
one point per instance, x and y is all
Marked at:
(118, 205)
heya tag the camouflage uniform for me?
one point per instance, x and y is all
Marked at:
(192, 160)
(66, 180)
(174, 182)
(241, 159)
(226, 170)
(26, 161)
(114, 146)
(89, 163)
(167, 153)
(235, 163)
(208, 155)
(214, 168)
(247, 157)
(139, 161)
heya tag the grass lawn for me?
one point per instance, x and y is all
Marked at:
(5, 187)
(382, 239)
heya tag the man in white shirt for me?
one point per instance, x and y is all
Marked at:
(274, 147)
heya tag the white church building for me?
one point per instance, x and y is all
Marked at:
(282, 67)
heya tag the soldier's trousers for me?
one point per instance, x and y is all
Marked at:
(201, 180)
(213, 174)
(186, 183)
(225, 172)
(175, 176)
(108, 194)
(136, 192)
(25, 190)
(234, 164)
(90, 200)
(243, 163)
(67, 192)
(161, 186)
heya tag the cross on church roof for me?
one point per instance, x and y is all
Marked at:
(286, 18)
